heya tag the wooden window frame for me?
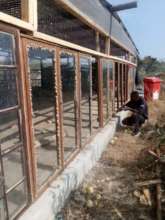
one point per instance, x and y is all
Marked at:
(76, 103)
(20, 108)
(87, 57)
(26, 44)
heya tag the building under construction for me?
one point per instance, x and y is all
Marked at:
(66, 66)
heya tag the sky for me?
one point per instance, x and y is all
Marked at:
(146, 24)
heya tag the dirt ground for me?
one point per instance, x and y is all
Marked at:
(110, 190)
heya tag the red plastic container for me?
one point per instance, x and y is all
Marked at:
(151, 88)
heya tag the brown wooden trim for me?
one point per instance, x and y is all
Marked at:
(76, 105)
(11, 20)
(28, 120)
(57, 109)
(20, 107)
(84, 56)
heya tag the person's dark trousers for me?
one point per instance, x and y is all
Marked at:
(135, 120)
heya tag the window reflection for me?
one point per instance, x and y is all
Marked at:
(9, 130)
(105, 91)
(8, 94)
(6, 49)
(111, 88)
(85, 99)
(43, 103)
(95, 104)
(68, 95)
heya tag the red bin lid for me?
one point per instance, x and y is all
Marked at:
(152, 79)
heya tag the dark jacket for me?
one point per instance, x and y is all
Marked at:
(140, 105)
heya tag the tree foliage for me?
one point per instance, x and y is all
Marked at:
(151, 66)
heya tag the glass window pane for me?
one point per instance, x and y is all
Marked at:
(2, 204)
(8, 90)
(2, 209)
(42, 77)
(111, 87)
(95, 109)
(105, 92)
(85, 99)
(16, 199)
(9, 130)
(6, 49)
(13, 168)
(116, 86)
(68, 93)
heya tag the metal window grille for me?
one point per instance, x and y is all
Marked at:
(11, 7)
(55, 21)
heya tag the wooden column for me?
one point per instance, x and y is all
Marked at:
(29, 12)
(108, 46)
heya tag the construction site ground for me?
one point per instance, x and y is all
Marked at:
(115, 188)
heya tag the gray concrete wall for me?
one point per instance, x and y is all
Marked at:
(53, 199)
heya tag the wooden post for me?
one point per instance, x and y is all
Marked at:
(29, 12)
(108, 46)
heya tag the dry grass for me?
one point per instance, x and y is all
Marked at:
(157, 110)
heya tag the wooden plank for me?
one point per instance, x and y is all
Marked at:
(16, 22)
(76, 47)
(25, 10)
(108, 46)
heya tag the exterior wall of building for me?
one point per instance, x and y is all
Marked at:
(53, 101)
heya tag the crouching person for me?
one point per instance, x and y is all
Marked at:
(138, 106)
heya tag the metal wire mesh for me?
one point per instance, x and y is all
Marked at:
(102, 44)
(11, 7)
(55, 21)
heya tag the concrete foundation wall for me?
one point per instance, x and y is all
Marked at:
(53, 199)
